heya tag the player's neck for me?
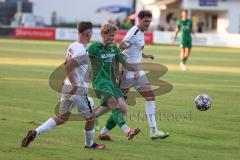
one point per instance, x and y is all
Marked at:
(140, 28)
(105, 44)
(83, 41)
(184, 19)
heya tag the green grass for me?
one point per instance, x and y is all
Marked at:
(26, 100)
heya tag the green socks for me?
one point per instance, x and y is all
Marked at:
(118, 117)
(110, 123)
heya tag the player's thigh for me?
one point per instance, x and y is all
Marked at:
(127, 79)
(66, 105)
(187, 47)
(85, 105)
(112, 103)
(108, 96)
(187, 52)
(146, 91)
(144, 87)
(122, 105)
(101, 110)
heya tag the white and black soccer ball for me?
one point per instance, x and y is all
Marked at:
(203, 102)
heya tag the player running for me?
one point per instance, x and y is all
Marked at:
(74, 91)
(103, 56)
(132, 46)
(184, 26)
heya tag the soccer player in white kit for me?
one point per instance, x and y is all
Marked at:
(132, 47)
(74, 91)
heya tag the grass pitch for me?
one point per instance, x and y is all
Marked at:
(26, 100)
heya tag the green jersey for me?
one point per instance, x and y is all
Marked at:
(185, 28)
(103, 60)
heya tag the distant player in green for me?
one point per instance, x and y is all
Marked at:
(103, 56)
(184, 26)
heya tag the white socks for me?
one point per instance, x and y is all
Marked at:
(104, 131)
(151, 115)
(49, 124)
(125, 129)
(89, 137)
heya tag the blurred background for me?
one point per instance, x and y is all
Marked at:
(216, 21)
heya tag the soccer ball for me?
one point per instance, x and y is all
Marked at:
(203, 102)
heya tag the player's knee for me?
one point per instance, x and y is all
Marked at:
(150, 98)
(60, 119)
(123, 110)
(92, 118)
(122, 106)
(112, 102)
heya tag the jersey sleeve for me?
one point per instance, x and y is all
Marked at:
(130, 37)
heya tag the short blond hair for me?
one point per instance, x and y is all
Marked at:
(108, 28)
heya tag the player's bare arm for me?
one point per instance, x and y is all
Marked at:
(175, 35)
(194, 34)
(70, 66)
(148, 56)
(125, 45)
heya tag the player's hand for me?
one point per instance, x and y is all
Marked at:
(151, 57)
(136, 75)
(173, 41)
(194, 36)
(72, 92)
(148, 56)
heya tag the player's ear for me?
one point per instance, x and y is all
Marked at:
(88, 34)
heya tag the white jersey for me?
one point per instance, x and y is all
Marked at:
(78, 52)
(136, 37)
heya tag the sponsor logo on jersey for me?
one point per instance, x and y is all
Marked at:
(107, 57)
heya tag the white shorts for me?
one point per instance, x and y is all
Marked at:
(128, 81)
(83, 102)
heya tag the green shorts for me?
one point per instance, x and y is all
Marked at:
(186, 44)
(106, 91)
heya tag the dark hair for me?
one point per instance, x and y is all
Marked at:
(144, 13)
(82, 26)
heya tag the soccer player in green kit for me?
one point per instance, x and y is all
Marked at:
(184, 26)
(104, 56)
